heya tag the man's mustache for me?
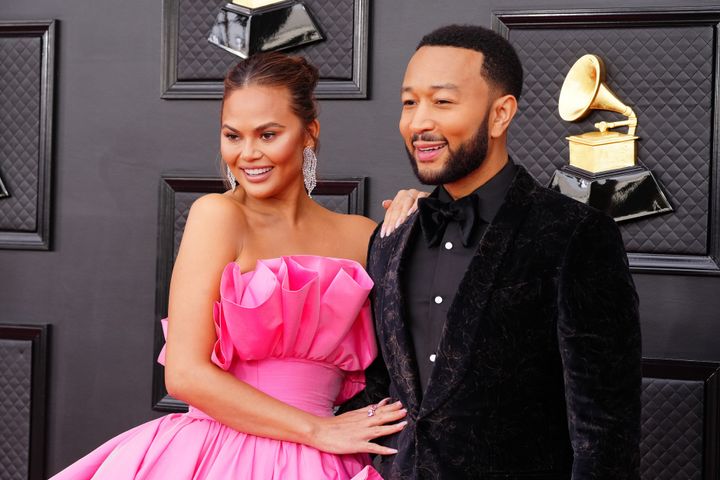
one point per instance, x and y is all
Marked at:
(428, 137)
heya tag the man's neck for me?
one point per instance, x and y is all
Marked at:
(493, 163)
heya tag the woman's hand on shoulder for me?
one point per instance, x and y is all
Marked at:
(353, 432)
(399, 209)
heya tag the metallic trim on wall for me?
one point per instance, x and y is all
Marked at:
(39, 239)
(36, 336)
(709, 374)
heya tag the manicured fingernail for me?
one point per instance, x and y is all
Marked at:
(403, 423)
(398, 224)
(392, 450)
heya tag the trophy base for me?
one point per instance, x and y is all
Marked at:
(246, 27)
(3, 191)
(624, 194)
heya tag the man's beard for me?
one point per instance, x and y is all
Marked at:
(460, 163)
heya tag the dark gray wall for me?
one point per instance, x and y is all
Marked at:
(114, 136)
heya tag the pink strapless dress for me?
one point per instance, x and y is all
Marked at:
(298, 328)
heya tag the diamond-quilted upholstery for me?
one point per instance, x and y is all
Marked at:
(197, 59)
(666, 75)
(336, 203)
(183, 202)
(20, 77)
(15, 390)
(671, 445)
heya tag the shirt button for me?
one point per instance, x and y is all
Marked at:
(448, 245)
(433, 357)
(438, 299)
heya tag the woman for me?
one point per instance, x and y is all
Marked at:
(291, 333)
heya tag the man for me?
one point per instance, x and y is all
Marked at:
(506, 314)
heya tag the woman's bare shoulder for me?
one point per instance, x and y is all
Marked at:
(215, 218)
(353, 233)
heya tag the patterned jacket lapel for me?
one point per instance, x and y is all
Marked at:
(396, 342)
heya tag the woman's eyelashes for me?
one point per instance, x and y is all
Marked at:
(267, 136)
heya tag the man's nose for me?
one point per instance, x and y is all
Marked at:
(421, 120)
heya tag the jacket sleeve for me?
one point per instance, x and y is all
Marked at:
(377, 380)
(599, 338)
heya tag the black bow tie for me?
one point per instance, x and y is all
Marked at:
(435, 215)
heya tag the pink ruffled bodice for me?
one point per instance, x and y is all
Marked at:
(298, 328)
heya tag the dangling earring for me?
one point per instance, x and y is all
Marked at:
(309, 170)
(231, 177)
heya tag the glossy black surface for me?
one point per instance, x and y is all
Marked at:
(244, 31)
(623, 194)
(3, 191)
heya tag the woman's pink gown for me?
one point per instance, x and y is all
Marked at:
(298, 328)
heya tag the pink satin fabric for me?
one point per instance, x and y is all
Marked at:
(298, 328)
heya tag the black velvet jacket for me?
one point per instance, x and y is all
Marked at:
(538, 370)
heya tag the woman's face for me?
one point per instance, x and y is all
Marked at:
(262, 140)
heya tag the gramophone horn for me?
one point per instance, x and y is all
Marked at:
(584, 90)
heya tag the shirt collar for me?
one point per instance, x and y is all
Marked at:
(491, 194)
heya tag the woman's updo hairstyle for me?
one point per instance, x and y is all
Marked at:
(273, 69)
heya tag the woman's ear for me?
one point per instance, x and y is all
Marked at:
(502, 112)
(313, 130)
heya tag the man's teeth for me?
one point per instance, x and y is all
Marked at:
(428, 149)
(257, 171)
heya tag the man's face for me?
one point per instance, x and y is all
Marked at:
(444, 120)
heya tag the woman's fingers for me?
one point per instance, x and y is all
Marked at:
(399, 209)
(383, 431)
(396, 211)
(379, 449)
(414, 207)
(389, 416)
(379, 408)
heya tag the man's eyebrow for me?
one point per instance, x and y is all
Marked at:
(441, 86)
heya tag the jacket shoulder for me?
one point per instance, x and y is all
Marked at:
(552, 208)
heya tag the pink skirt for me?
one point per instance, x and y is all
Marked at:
(188, 446)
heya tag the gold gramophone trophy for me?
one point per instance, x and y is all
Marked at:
(603, 170)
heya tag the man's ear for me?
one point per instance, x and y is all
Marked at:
(502, 112)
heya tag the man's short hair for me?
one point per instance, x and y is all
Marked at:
(501, 65)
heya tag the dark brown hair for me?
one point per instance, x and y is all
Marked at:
(274, 69)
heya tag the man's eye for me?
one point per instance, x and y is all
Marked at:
(408, 103)
(442, 101)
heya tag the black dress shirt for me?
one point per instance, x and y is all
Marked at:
(432, 275)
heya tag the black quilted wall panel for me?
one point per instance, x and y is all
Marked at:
(666, 74)
(15, 392)
(20, 81)
(672, 429)
(199, 60)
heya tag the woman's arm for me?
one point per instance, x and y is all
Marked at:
(209, 243)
